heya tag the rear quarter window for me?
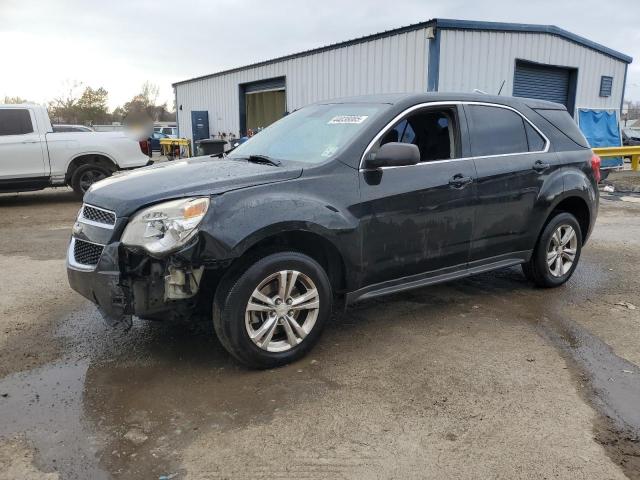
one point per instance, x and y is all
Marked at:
(563, 122)
(15, 121)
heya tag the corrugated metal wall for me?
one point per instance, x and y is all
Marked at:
(479, 59)
(392, 64)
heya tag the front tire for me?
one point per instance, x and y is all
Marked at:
(557, 252)
(273, 312)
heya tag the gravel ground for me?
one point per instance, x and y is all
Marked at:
(482, 378)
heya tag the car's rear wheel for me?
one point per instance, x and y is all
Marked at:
(86, 175)
(273, 311)
(557, 252)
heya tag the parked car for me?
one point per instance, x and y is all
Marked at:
(171, 132)
(71, 128)
(33, 156)
(348, 200)
(630, 137)
(154, 140)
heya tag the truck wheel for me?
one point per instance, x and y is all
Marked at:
(86, 175)
(557, 252)
(273, 312)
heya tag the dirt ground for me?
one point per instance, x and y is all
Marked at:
(482, 378)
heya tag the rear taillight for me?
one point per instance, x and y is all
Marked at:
(144, 146)
(595, 166)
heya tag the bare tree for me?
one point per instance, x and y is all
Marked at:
(14, 100)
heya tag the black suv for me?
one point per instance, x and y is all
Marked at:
(348, 199)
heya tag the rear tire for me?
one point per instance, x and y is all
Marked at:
(557, 252)
(86, 175)
(264, 325)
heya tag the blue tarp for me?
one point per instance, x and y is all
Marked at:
(602, 130)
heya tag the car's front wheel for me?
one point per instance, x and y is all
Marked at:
(272, 312)
(556, 255)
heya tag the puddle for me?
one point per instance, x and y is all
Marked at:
(614, 389)
(44, 405)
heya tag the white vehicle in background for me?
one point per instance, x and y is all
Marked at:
(33, 156)
(170, 131)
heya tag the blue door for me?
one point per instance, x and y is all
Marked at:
(199, 125)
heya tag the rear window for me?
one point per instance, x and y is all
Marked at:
(496, 131)
(563, 122)
(15, 121)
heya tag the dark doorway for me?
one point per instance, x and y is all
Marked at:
(262, 103)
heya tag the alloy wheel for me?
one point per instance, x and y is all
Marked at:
(282, 311)
(561, 251)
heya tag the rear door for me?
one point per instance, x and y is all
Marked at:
(512, 161)
(419, 217)
(21, 147)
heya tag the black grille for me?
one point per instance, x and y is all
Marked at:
(98, 216)
(86, 253)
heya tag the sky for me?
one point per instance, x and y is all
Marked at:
(49, 45)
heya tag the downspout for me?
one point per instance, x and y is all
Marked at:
(624, 87)
(433, 72)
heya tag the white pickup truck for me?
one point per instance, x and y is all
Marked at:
(33, 157)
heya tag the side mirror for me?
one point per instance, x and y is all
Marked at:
(393, 154)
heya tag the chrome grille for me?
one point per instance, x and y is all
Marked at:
(86, 253)
(98, 215)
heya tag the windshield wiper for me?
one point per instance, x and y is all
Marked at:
(263, 159)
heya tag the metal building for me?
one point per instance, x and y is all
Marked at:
(539, 61)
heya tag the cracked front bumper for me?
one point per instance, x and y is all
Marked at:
(101, 284)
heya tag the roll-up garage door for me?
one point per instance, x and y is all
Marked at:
(542, 82)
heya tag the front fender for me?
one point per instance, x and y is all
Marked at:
(240, 220)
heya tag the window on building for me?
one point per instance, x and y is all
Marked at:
(431, 130)
(15, 121)
(496, 131)
(606, 84)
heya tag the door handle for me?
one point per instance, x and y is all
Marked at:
(30, 141)
(540, 166)
(460, 181)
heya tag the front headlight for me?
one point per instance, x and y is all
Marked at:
(165, 227)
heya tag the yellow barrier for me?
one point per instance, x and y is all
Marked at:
(633, 152)
(168, 145)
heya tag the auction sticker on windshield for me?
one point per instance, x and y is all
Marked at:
(352, 119)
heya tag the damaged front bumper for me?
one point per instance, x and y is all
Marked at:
(124, 283)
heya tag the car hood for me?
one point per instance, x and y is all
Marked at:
(126, 192)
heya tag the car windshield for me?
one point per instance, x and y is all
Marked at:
(312, 134)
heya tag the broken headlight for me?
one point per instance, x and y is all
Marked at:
(165, 227)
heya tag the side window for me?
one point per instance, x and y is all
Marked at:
(535, 140)
(167, 131)
(433, 131)
(15, 121)
(496, 131)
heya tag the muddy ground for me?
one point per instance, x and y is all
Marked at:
(482, 378)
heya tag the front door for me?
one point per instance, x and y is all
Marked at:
(199, 125)
(21, 153)
(419, 218)
(512, 161)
